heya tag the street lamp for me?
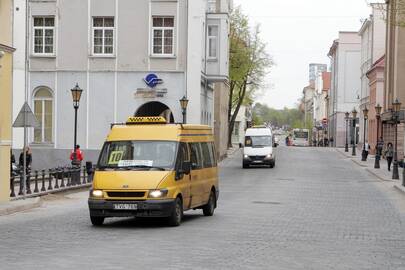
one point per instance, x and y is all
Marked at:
(364, 152)
(396, 105)
(76, 95)
(354, 115)
(184, 104)
(347, 115)
(378, 147)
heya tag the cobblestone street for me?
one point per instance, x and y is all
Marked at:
(315, 210)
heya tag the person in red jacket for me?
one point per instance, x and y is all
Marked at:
(79, 156)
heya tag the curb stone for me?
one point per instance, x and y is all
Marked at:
(19, 206)
(400, 188)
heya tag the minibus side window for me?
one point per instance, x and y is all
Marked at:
(182, 156)
(195, 156)
(213, 155)
(207, 157)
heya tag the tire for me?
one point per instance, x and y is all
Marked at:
(97, 221)
(209, 208)
(177, 215)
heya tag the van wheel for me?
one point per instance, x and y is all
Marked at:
(177, 215)
(97, 221)
(209, 208)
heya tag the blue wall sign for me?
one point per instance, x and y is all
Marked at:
(152, 80)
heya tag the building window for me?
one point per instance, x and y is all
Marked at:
(44, 35)
(103, 35)
(43, 108)
(163, 36)
(212, 6)
(212, 41)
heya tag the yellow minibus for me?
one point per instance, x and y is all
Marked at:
(148, 168)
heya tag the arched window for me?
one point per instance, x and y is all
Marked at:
(43, 109)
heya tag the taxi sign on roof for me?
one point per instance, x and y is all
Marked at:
(146, 120)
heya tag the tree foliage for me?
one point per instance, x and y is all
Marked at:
(292, 118)
(249, 63)
(396, 9)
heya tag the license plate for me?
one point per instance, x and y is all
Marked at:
(125, 206)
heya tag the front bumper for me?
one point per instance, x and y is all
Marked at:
(258, 160)
(148, 208)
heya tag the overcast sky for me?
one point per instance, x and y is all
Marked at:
(299, 32)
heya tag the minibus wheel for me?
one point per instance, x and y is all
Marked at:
(97, 221)
(209, 208)
(177, 214)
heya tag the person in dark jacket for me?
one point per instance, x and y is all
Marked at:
(389, 154)
(28, 159)
(12, 161)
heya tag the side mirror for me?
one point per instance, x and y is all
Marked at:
(241, 145)
(185, 170)
(186, 167)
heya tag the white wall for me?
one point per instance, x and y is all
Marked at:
(18, 68)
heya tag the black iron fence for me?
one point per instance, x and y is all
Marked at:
(50, 181)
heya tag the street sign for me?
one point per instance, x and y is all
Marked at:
(26, 118)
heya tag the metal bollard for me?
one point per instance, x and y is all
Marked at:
(20, 192)
(12, 193)
(61, 176)
(55, 175)
(50, 179)
(28, 182)
(43, 181)
(69, 176)
(84, 175)
(36, 190)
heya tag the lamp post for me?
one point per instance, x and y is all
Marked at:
(76, 95)
(396, 105)
(354, 115)
(184, 104)
(364, 152)
(378, 147)
(347, 115)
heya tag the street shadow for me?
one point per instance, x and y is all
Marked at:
(145, 223)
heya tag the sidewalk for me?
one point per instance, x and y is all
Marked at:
(383, 174)
(19, 206)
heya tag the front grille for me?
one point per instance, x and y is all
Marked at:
(127, 194)
(257, 157)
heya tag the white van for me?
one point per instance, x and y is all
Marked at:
(259, 148)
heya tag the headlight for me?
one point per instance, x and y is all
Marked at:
(97, 193)
(158, 193)
(246, 156)
(269, 156)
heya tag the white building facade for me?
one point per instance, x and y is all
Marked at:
(345, 55)
(372, 35)
(130, 58)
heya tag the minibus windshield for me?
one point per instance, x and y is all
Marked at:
(138, 155)
(258, 141)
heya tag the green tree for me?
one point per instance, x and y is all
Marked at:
(249, 62)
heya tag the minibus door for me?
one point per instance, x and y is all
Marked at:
(184, 178)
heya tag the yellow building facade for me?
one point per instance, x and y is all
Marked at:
(6, 74)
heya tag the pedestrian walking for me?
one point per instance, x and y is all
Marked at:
(76, 161)
(366, 149)
(28, 159)
(12, 163)
(389, 154)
